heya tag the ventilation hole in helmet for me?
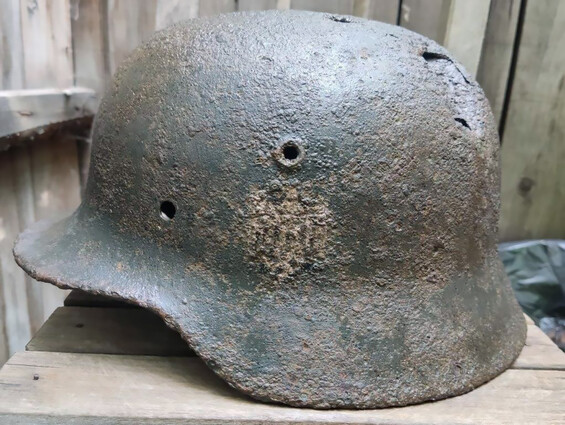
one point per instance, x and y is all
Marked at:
(462, 122)
(291, 152)
(168, 210)
(342, 19)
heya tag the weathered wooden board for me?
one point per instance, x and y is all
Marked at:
(344, 7)
(27, 113)
(533, 152)
(496, 55)
(539, 352)
(380, 10)
(108, 331)
(64, 388)
(128, 27)
(47, 44)
(465, 31)
(208, 8)
(172, 11)
(23, 199)
(256, 4)
(12, 63)
(13, 299)
(427, 17)
(89, 27)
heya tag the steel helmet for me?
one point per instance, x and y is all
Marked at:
(310, 200)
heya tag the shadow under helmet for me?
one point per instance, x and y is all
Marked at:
(310, 200)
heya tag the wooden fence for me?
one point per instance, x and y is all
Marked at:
(514, 47)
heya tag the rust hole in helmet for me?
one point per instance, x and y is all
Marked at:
(462, 122)
(168, 210)
(342, 19)
(291, 152)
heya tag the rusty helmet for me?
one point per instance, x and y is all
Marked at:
(310, 200)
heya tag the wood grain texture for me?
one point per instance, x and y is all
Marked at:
(11, 52)
(18, 290)
(256, 4)
(108, 331)
(47, 45)
(88, 24)
(97, 388)
(496, 54)
(465, 32)
(23, 186)
(46, 34)
(172, 11)
(128, 27)
(344, 7)
(427, 17)
(380, 10)
(26, 113)
(539, 352)
(12, 68)
(533, 152)
(16, 326)
(208, 8)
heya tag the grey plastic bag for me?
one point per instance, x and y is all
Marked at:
(537, 273)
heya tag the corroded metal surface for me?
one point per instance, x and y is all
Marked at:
(312, 201)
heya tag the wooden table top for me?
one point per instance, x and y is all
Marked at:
(96, 361)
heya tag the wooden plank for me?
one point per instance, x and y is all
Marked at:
(243, 5)
(427, 17)
(4, 349)
(91, 62)
(343, 7)
(46, 35)
(47, 46)
(23, 186)
(91, 67)
(78, 298)
(208, 8)
(496, 54)
(108, 331)
(13, 326)
(465, 31)
(16, 328)
(539, 352)
(29, 112)
(172, 11)
(533, 152)
(128, 27)
(380, 10)
(12, 64)
(96, 388)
